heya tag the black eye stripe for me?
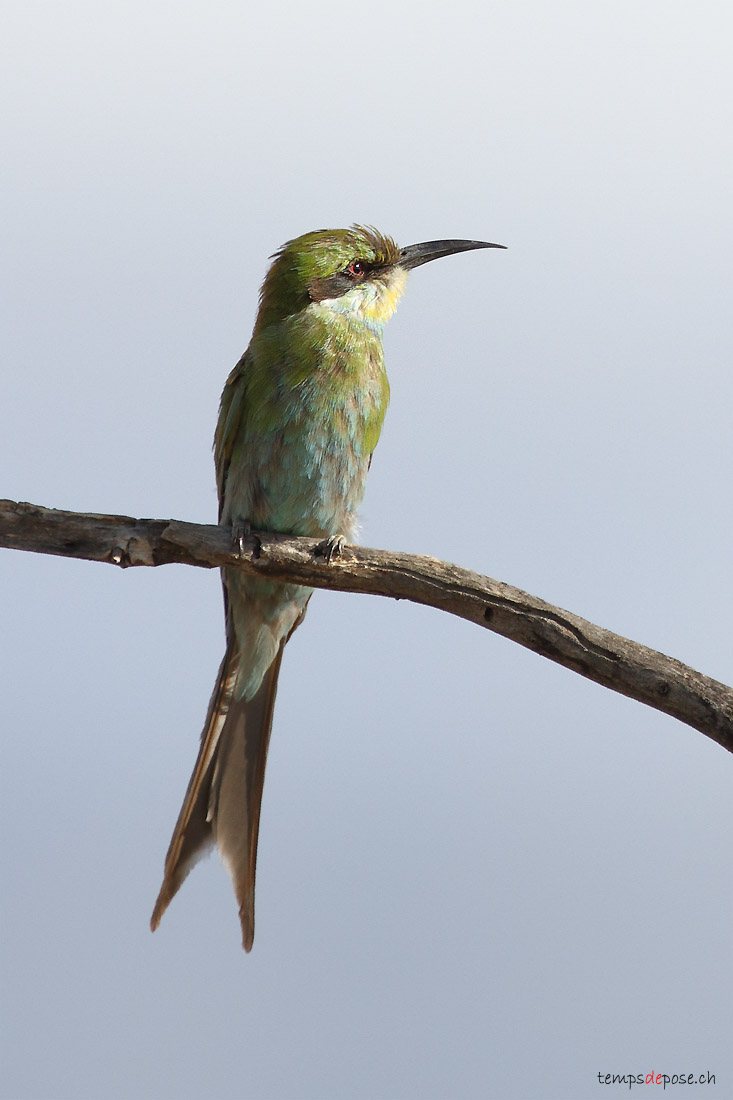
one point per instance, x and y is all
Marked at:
(333, 286)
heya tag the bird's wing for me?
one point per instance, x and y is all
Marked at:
(232, 412)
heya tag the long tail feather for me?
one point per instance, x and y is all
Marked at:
(224, 795)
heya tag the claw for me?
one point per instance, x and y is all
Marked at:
(331, 547)
(241, 531)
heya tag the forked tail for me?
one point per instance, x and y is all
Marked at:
(222, 803)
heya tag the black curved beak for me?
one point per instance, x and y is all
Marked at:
(416, 254)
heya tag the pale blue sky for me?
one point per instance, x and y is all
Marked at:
(480, 876)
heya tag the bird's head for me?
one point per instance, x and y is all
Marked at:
(356, 271)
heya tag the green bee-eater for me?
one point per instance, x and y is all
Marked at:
(299, 420)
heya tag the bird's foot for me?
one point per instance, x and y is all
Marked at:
(241, 531)
(331, 547)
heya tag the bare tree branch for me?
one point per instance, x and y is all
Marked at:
(615, 662)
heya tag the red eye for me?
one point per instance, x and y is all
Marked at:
(355, 269)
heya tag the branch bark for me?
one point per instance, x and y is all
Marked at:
(608, 659)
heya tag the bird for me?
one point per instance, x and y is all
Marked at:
(300, 416)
